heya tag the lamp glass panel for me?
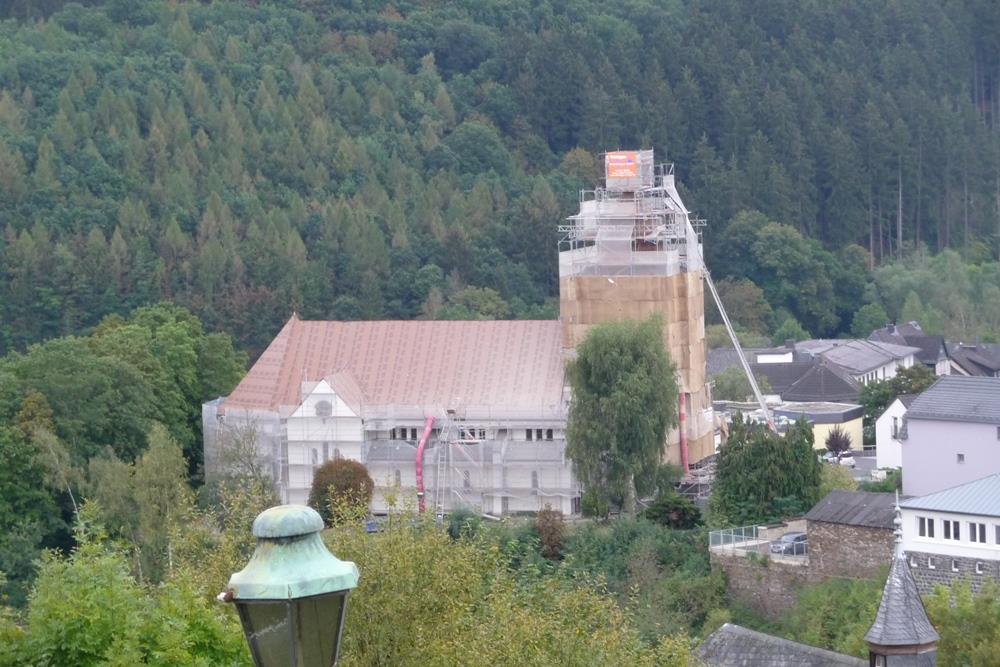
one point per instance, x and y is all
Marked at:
(318, 626)
(268, 629)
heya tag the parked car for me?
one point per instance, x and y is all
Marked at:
(791, 544)
(846, 459)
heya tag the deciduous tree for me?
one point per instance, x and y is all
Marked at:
(624, 398)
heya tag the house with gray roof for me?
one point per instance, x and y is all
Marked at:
(933, 352)
(819, 370)
(951, 434)
(980, 359)
(954, 534)
(864, 360)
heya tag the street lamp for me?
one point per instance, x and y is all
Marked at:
(292, 595)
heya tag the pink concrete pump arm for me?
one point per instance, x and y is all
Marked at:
(420, 463)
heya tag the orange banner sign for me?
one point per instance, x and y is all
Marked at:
(621, 164)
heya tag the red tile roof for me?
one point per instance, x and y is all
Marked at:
(437, 364)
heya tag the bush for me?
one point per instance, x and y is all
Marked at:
(463, 522)
(673, 511)
(551, 530)
(594, 505)
(837, 440)
(340, 487)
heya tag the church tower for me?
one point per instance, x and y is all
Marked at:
(633, 251)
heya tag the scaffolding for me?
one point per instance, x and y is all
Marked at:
(477, 457)
(641, 232)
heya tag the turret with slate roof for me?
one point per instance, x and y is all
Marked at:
(902, 635)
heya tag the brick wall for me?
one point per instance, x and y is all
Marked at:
(837, 550)
(766, 586)
(943, 573)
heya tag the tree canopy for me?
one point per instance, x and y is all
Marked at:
(624, 398)
(762, 476)
(374, 160)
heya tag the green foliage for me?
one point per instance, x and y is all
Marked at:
(868, 318)
(340, 481)
(762, 476)
(790, 329)
(833, 477)
(440, 601)
(316, 156)
(969, 624)
(673, 511)
(837, 440)
(463, 522)
(28, 513)
(624, 398)
(732, 385)
(88, 610)
(716, 336)
(594, 504)
(835, 614)
(893, 482)
(662, 575)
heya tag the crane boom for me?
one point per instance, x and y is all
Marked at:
(739, 349)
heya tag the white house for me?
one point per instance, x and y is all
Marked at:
(888, 446)
(954, 534)
(951, 434)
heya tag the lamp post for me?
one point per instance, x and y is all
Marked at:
(292, 595)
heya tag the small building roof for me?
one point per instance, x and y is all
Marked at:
(980, 497)
(736, 646)
(855, 508)
(959, 398)
(820, 412)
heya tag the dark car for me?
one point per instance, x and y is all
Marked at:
(791, 544)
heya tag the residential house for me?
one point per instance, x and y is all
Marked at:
(951, 434)
(819, 370)
(888, 427)
(980, 359)
(864, 360)
(933, 353)
(954, 534)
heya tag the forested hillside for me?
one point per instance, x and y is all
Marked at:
(412, 159)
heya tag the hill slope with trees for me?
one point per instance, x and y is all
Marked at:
(409, 159)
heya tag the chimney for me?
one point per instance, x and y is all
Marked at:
(790, 343)
(891, 328)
